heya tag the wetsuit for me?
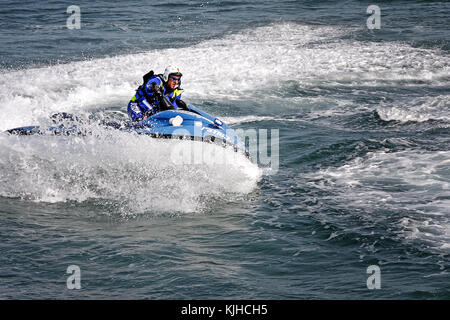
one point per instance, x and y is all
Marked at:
(146, 102)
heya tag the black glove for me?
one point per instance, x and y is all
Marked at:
(181, 104)
(164, 104)
(157, 91)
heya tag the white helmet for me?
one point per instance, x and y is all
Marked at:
(171, 70)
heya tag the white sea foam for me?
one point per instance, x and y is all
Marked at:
(137, 173)
(253, 64)
(418, 109)
(250, 119)
(415, 185)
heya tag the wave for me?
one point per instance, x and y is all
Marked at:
(418, 110)
(251, 119)
(251, 64)
(408, 191)
(135, 173)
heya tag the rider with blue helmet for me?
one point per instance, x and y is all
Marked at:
(157, 93)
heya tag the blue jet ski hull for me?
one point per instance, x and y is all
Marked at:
(190, 123)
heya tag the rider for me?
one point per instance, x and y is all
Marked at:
(158, 93)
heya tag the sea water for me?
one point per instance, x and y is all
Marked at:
(359, 114)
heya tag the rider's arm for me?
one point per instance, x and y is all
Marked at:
(149, 86)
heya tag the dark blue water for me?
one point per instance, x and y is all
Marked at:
(364, 152)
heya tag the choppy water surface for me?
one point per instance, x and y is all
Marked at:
(364, 152)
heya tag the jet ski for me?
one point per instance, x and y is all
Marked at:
(187, 123)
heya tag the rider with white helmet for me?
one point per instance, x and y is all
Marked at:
(157, 93)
